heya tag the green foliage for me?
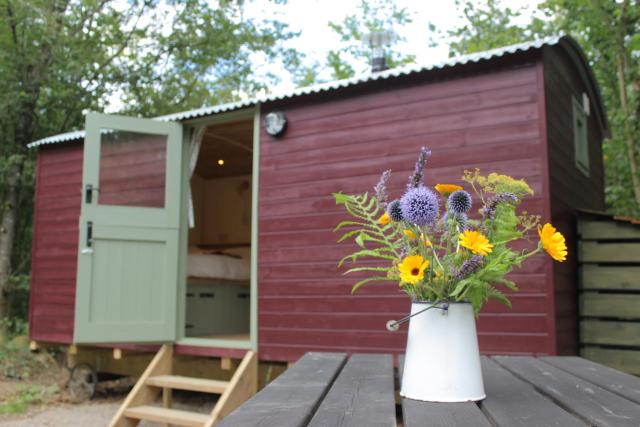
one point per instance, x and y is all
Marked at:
(367, 229)
(479, 287)
(17, 361)
(20, 364)
(27, 395)
(18, 304)
(488, 25)
(504, 227)
(204, 60)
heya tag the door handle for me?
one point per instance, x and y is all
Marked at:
(88, 192)
(89, 235)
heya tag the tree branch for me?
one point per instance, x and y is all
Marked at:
(12, 24)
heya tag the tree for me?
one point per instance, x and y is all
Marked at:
(609, 33)
(206, 59)
(373, 16)
(59, 58)
(488, 25)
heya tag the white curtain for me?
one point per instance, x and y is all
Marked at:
(196, 141)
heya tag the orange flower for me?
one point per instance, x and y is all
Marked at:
(384, 219)
(553, 242)
(446, 189)
(476, 242)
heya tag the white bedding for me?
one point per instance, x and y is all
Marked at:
(220, 266)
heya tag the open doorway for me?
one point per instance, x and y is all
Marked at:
(218, 290)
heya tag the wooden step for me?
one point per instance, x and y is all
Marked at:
(167, 416)
(188, 383)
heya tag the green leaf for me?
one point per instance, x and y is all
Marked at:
(362, 282)
(356, 269)
(341, 199)
(346, 223)
(349, 234)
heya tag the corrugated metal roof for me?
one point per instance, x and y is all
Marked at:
(330, 86)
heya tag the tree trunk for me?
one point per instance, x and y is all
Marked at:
(624, 104)
(7, 232)
(628, 137)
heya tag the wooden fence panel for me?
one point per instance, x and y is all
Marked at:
(609, 300)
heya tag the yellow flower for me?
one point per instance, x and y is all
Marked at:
(410, 234)
(412, 269)
(476, 242)
(384, 219)
(553, 242)
(425, 240)
(445, 189)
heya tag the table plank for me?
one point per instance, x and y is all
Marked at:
(512, 402)
(618, 382)
(291, 399)
(587, 401)
(428, 414)
(416, 413)
(362, 395)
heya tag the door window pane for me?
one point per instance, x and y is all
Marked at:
(132, 169)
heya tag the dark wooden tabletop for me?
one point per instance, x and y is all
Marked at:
(331, 389)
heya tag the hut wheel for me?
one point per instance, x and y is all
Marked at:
(82, 382)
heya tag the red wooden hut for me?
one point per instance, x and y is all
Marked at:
(132, 214)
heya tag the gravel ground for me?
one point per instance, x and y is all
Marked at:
(80, 415)
(96, 413)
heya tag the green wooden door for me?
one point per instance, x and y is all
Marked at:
(129, 231)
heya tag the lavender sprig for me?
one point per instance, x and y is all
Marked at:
(468, 267)
(416, 179)
(382, 196)
(489, 210)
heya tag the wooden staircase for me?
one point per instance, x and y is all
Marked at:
(157, 379)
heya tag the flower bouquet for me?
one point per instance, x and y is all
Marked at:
(450, 260)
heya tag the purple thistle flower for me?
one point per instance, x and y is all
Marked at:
(395, 211)
(459, 202)
(468, 267)
(415, 180)
(381, 190)
(419, 206)
(489, 210)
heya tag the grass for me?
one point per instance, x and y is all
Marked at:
(27, 395)
(18, 363)
(27, 378)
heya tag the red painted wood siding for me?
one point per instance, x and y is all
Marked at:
(57, 215)
(570, 189)
(55, 242)
(490, 121)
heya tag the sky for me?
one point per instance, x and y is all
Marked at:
(311, 18)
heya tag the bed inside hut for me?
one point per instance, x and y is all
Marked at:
(219, 255)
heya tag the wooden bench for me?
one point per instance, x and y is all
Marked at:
(331, 389)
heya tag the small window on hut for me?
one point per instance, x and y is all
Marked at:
(580, 139)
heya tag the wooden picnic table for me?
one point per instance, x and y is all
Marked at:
(331, 389)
